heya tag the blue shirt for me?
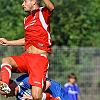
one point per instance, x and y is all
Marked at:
(72, 91)
(25, 89)
(55, 89)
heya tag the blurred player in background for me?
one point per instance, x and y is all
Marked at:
(71, 88)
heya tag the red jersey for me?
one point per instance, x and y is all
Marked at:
(37, 29)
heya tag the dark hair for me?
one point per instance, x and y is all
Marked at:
(72, 75)
(38, 2)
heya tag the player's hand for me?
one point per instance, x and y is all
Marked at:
(16, 90)
(3, 41)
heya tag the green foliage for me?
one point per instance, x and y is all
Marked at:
(98, 83)
(11, 19)
(73, 23)
(76, 22)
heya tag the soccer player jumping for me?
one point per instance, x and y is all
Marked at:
(37, 43)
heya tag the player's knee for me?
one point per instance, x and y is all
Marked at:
(6, 60)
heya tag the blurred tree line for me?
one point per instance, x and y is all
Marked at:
(73, 23)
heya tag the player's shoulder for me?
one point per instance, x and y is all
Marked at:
(66, 85)
(76, 84)
(44, 8)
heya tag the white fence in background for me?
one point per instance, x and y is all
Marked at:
(84, 62)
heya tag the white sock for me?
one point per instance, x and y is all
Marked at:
(43, 96)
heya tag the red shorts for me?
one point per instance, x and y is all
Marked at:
(36, 65)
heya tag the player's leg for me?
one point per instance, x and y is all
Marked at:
(45, 96)
(14, 64)
(38, 95)
(6, 67)
(37, 74)
(7, 64)
(50, 97)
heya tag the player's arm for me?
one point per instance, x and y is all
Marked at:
(47, 85)
(78, 97)
(5, 42)
(49, 4)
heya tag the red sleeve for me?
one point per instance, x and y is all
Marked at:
(46, 10)
(46, 14)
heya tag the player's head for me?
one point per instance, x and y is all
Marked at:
(38, 2)
(30, 5)
(72, 78)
